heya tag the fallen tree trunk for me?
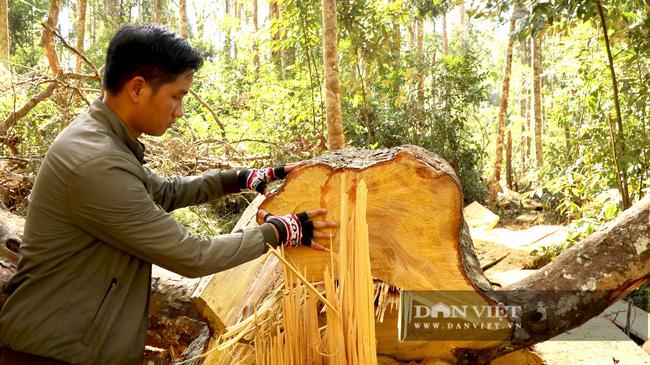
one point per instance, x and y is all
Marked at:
(580, 284)
(173, 322)
(418, 241)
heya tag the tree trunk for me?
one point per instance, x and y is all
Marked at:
(138, 6)
(81, 31)
(113, 15)
(501, 125)
(256, 51)
(182, 17)
(173, 322)
(335, 138)
(463, 28)
(462, 15)
(413, 247)
(421, 71)
(524, 105)
(509, 161)
(396, 37)
(580, 284)
(445, 41)
(155, 11)
(47, 39)
(274, 16)
(287, 53)
(618, 145)
(537, 99)
(567, 143)
(4, 30)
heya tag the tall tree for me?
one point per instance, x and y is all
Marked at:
(618, 143)
(396, 36)
(47, 38)
(524, 102)
(335, 138)
(274, 16)
(155, 11)
(112, 14)
(462, 15)
(81, 31)
(182, 18)
(537, 99)
(503, 110)
(256, 50)
(420, 78)
(4, 30)
(445, 37)
(463, 29)
(509, 160)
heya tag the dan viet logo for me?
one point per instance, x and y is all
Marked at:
(431, 316)
(441, 310)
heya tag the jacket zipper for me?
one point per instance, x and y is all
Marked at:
(94, 326)
(108, 291)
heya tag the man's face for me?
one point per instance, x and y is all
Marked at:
(159, 109)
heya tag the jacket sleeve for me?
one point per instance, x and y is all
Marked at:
(180, 191)
(108, 199)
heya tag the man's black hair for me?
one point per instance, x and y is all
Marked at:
(151, 51)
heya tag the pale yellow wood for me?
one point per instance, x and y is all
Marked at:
(414, 220)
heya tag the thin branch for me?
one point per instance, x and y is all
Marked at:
(71, 48)
(214, 114)
(216, 140)
(19, 178)
(12, 118)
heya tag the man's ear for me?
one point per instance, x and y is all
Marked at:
(136, 88)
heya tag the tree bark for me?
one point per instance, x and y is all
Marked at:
(524, 104)
(47, 38)
(445, 40)
(501, 124)
(618, 145)
(537, 99)
(256, 50)
(509, 161)
(155, 11)
(580, 284)
(4, 30)
(182, 18)
(81, 31)
(462, 15)
(335, 138)
(421, 73)
(274, 16)
(111, 7)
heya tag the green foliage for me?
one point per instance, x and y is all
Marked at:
(24, 22)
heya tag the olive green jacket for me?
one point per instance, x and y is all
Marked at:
(97, 220)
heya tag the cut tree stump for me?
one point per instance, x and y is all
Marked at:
(418, 241)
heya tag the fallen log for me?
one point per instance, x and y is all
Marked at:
(418, 241)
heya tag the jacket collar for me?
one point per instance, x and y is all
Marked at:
(102, 113)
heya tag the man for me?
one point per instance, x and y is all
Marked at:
(98, 218)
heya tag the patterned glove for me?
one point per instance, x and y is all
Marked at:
(293, 229)
(257, 179)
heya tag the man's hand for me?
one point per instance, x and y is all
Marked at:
(258, 179)
(298, 229)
